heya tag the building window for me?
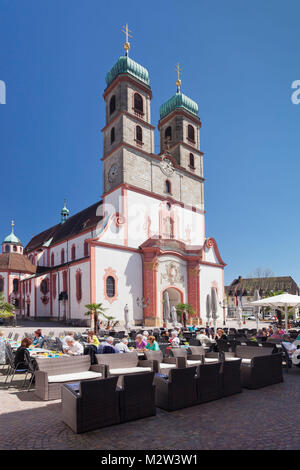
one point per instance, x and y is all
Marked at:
(1, 284)
(191, 133)
(62, 256)
(52, 259)
(73, 252)
(86, 249)
(54, 286)
(7, 248)
(139, 134)
(65, 281)
(168, 186)
(112, 104)
(14, 248)
(110, 287)
(192, 161)
(112, 135)
(138, 103)
(168, 133)
(78, 285)
(44, 286)
(16, 285)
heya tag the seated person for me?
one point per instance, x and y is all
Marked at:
(140, 342)
(152, 345)
(289, 346)
(145, 336)
(92, 339)
(122, 346)
(20, 354)
(2, 336)
(174, 340)
(276, 335)
(73, 348)
(203, 338)
(107, 346)
(220, 335)
(38, 341)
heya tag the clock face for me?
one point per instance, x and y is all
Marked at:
(167, 167)
(113, 173)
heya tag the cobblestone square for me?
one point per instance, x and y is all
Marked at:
(268, 418)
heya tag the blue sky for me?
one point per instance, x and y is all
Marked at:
(239, 59)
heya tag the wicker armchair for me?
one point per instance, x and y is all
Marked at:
(209, 382)
(192, 360)
(178, 391)
(231, 377)
(123, 364)
(53, 373)
(93, 406)
(259, 366)
(163, 364)
(137, 396)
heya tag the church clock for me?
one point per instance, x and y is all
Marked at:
(113, 173)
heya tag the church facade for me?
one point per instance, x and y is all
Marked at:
(144, 244)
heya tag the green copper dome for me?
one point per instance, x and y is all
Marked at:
(127, 65)
(179, 100)
(11, 238)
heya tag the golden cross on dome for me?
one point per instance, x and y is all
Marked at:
(127, 32)
(178, 81)
(12, 225)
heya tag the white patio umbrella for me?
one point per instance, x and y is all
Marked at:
(174, 315)
(126, 317)
(239, 316)
(208, 308)
(166, 308)
(282, 302)
(256, 309)
(214, 305)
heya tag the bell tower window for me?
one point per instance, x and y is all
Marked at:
(191, 133)
(138, 103)
(168, 187)
(168, 133)
(139, 134)
(112, 135)
(112, 104)
(192, 161)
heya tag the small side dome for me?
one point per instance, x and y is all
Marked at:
(64, 213)
(126, 65)
(179, 100)
(11, 238)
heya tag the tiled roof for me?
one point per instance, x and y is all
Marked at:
(266, 284)
(16, 262)
(82, 221)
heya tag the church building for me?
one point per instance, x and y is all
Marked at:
(144, 243)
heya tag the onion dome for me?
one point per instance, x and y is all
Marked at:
(126, 65)
(11, 238)
(64, 213)
(181, 101)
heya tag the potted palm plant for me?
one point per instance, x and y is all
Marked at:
(93, 311)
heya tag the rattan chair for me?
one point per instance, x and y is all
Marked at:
(137, 397)
(209, 382)
(177, 391)
(95, 405)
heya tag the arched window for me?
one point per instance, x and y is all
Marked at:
(110, 286)
(138, 103)
(16, 285)
(62, 256)
(192, 161)
(73, 252)
(86, 249)
(65, 281)
(78, 286)
(52, 259)
(1, 284)
(15, 248)
(139, 134)
(7, 248)
(168, 186)
(112, 135)
(44, 286)
(168, 133)
(191, 133)
(112, 104)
